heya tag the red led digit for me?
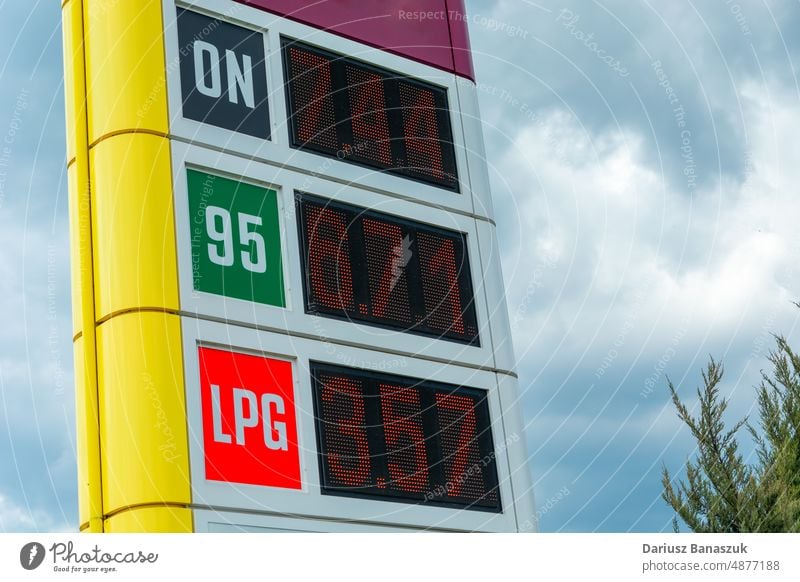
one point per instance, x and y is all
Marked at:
(329, 257)
(405, 441)
(388, 253)
(345, 433)
(462, 460)
(368, 113)
(440, 283)
(310, 86)
(421, 131)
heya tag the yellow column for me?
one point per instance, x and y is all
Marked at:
(90, 501)
(132, 433)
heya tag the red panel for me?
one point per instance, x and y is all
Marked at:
(249, 425)
(459, 37)
(433, 32)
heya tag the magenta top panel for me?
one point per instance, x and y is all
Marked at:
(433, 32)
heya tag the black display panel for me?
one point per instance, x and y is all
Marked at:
(391, 437)
(373, 268)
(356, 112)
(223, 74)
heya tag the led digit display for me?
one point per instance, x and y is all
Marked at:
(366, 115)
(421, 132)
(369, 120)
(346, 442)
(312, 96)
(328, 261)
(370, 267)
(391, 437)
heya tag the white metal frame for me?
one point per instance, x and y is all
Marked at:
(223, 521)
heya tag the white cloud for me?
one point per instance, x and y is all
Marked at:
(35, 338)
(648, 280)
(721, 260)
(37, 485)
(14, 518)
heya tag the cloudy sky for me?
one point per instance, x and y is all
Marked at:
(644, 169)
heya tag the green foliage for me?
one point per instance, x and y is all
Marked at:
(722, 493)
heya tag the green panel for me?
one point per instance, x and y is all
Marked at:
(236, 241)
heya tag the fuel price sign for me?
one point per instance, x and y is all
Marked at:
(286, 206)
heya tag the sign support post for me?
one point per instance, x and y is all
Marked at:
(131, 412)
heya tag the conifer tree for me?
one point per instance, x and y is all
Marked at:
(723, 493)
